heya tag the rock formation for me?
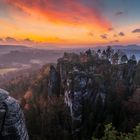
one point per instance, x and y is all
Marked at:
(95, 85)
(12, 121)
(86, 81)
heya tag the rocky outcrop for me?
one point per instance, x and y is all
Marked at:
(81, 95)
(53, 84)
(94, 89)
(86, 83)
(12, 119)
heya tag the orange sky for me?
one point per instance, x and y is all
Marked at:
(36, 22)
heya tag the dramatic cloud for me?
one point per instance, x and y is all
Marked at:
(68, 21)
(63, 11)
(121, 34)
(104, 36)
(136, 31)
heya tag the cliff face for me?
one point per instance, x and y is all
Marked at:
(96, 88)
(12, 123)
(83, 89)
(88, 82)
(53, 83)
(81, 97)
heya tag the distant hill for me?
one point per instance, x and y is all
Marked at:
(7, 48)
(20, 56)
(12, 56)
(128, 47)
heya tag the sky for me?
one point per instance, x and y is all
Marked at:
(69, 22)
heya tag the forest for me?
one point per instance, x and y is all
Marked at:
(91, 95)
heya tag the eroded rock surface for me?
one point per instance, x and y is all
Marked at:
(12, 118)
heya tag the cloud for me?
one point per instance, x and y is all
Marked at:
(28, 40)
(136, 30)
(104, 36)
(91, 34)
(1, 39)
(10, 39)
(119, 13)
(115, 35)
(72, 12)
(114, 41)
(110, 29)
(121, 34)
(15, 41)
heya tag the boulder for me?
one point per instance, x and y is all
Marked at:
(11, 118)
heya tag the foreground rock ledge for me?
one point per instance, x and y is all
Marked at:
(12, 123)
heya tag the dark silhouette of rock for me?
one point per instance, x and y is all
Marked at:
(53, 84)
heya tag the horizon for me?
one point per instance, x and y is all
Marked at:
(69, 69)
(69, 23)
(75, 46)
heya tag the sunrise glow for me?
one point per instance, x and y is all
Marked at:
(36, 22)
